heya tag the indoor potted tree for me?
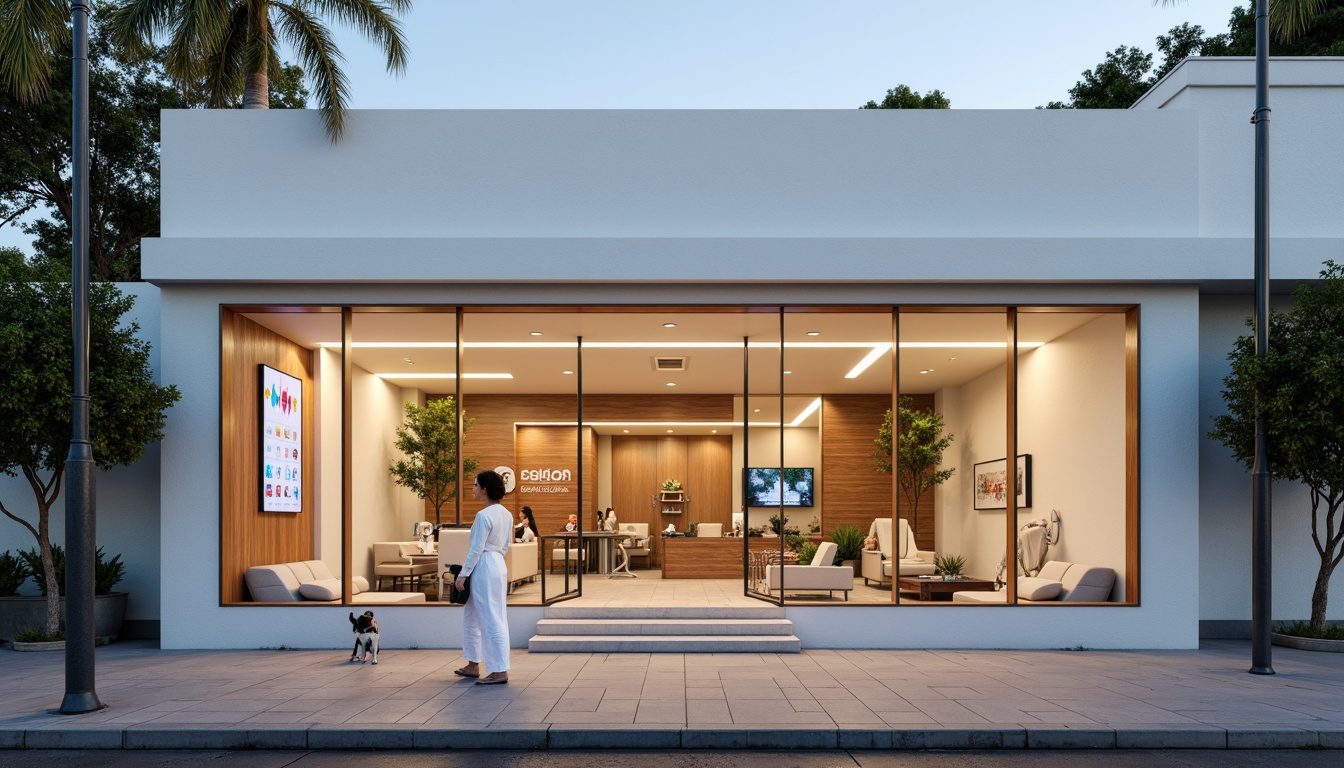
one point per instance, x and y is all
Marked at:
(127, 405)
(428, 438)
(920, 443)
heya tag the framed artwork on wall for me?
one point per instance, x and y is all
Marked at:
(991, 483)
(280, 420)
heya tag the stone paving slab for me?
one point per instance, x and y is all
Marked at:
(817, 700)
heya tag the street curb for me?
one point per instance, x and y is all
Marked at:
(569, 737)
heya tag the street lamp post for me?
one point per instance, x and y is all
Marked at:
(1261, 478)
(80, 541)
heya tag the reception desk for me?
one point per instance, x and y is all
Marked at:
(696, 558)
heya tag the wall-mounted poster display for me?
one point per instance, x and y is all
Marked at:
(991, 483)
(281, 420)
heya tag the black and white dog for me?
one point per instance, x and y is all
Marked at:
(366, 637)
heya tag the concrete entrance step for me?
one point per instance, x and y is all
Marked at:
(660, 627)
(570, 610)
(663, 644)
(571, 628)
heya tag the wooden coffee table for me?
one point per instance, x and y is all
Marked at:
(937, 589)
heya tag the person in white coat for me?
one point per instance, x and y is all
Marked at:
(485, 630)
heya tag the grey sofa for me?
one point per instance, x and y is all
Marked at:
(312, 581)
(1058, 581)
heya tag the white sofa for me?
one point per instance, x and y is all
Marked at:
(1058, 581)
(815, 576)
(521, 560)
(312, 581)
(875, 565)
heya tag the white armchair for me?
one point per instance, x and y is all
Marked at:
(638, 543)
(817, 576)
(397, 560)
(876, 565)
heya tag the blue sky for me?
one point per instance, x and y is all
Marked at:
(748, 54)
(754, 54)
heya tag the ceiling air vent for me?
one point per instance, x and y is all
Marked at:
(669, 363)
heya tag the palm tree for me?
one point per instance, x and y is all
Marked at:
(226, 46)
(1287, 18)
(31, 31)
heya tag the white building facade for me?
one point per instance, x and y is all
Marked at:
(1135, 224)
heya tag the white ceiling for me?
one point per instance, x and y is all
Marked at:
(416, 349)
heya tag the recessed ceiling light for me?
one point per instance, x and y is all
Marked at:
(714, 431)
(813, 333)
(669, 325)
(786, 373)
(758, 410)
(568, 373)
(926, 371)
(536, 333)
(950, 359)
(626, 431)
(671, 383)
(669, 431)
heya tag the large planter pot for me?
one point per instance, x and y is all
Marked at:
(1307, 643)
(22, 612)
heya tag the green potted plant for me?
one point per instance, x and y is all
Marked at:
(950, 567)
(26, 612)
(428, 438)
(848, 544)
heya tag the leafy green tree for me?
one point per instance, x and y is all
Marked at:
(232, 46)
(1301, 397)
(126, 409)
(428, 438)
(1298, 28)
(920, 444)
(901, 97)
(125, 97)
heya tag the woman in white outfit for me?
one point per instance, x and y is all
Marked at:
(485, 632)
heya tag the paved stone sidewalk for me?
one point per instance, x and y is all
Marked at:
(823, 699)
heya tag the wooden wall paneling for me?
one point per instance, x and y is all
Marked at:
(249, 536)
(853, 491)
(658, 408)
(634, 481)
(553, 500)
(709, 480)
(490, 439)
(1132, 456)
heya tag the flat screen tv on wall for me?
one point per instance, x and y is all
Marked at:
(280, 418)
(764, 487)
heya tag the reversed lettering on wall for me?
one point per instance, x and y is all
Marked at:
(547, 479)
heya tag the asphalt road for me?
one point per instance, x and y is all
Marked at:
(680, 759)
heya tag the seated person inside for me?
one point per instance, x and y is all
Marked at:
(526, 528)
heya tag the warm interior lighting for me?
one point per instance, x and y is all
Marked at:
(404, 375)
(808, 411)
(868, 359)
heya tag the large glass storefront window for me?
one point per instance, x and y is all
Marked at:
(819, 456)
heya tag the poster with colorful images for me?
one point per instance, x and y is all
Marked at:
(281, 442)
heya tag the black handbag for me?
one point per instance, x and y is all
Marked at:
(455, 595)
